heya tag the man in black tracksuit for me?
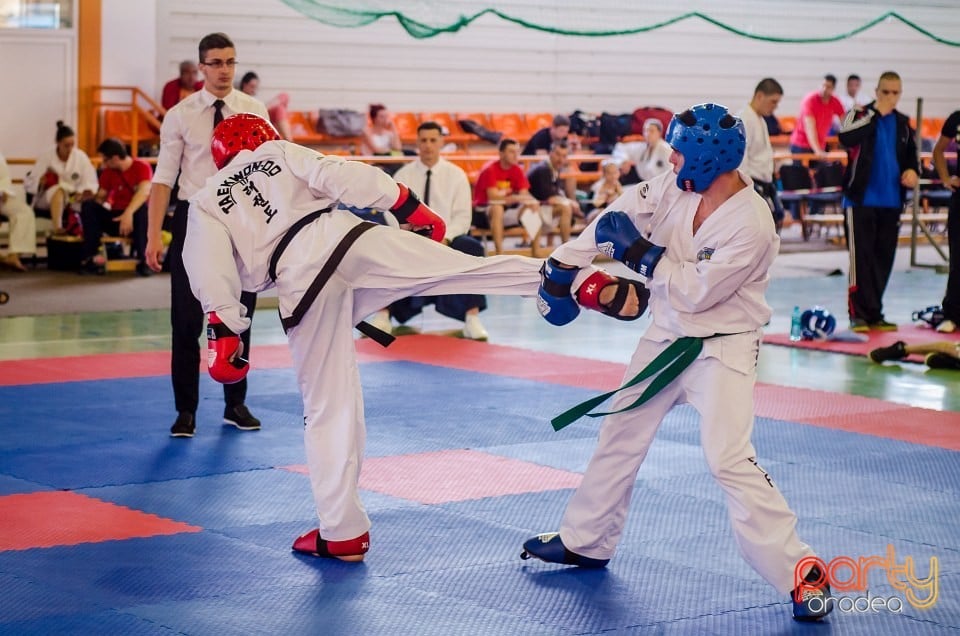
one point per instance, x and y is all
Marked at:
(882, 165)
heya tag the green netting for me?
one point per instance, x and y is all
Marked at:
(426, 19)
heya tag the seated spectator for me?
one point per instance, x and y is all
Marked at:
(277, 108)
(444, 187)
(606, 189)
(380, 137)
(23, 224)
(65, 178)
(643, 160)
(547, 187)
(542, 140)
(179, 87)
(119, 207)
(502, 194)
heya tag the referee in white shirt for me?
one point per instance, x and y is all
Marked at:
(443, 186)
(185, 160)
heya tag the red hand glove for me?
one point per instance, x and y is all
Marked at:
(48, 179)
(589, 296)
(409, 209)
(222, 345)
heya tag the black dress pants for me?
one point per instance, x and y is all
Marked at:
(97, 220)
(186, 321)
(451, 305)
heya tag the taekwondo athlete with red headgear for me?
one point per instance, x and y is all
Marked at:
(270, 218)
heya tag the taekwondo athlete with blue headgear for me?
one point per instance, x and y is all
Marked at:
(704, 241)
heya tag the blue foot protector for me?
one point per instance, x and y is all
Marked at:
(548, 547)
(812, 601)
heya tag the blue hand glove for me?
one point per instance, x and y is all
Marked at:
(554, 297)
(618, 238)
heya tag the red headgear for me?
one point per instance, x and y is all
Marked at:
(243, 131)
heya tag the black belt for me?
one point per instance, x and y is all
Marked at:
(324, 275)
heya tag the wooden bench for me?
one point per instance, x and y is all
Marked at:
(125, 264)
(485, 235)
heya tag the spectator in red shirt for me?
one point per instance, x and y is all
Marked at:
(502, 194)
(179, 87)
(120, 206)
(817, 111)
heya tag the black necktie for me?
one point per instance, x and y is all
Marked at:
(426, 189)
(218, 113)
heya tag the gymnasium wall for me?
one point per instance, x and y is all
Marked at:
(493, 65)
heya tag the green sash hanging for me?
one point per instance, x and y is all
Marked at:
(669, 364)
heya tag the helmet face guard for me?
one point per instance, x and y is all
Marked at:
(817, 323)
(243, 131)
(711, 140)
(932, 315)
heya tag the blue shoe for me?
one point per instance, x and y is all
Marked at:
(815, 601)
(548, 547)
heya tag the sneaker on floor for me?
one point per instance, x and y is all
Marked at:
(947, 326)
(381, 320)
(883, 325)
(859, 325)
(896, 351)
(185, 426)
(473, 328)
(240, 417)
(939, 360)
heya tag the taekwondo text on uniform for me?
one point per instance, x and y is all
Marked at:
(225, 191)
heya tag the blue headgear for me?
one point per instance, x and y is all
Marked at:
(817, 323)
(711, 140)
(932, 315)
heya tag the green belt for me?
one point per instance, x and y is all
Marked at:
(667, 366)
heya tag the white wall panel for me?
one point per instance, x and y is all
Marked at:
(494, 65)
(129, 43)
(38, 71)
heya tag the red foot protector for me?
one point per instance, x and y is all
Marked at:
(349, 550)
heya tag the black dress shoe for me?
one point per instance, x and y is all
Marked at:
(240, 417)
(184, 426)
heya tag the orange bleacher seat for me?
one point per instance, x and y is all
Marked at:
(511, 125)
(304, 129)
(537, 121)
(931, 128)
(454, 133)
(118, 124)
(406, 124)
(471, 164)
(481, 118)
(787, 123)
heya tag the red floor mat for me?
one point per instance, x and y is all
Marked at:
(911, 334)
(47, 519)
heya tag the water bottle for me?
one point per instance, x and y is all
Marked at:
(796, 333)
